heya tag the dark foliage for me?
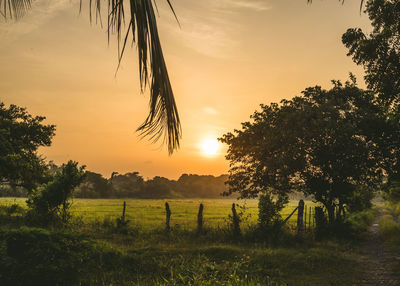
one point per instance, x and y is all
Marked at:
(21, 134)
(50, 203)
(321, 143)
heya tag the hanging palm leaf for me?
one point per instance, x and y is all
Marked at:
(163, 119)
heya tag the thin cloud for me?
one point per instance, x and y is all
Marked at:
(210, 111)
(210, 27)
(244, 4)
(40, 13)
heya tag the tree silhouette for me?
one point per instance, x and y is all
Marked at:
(163, 119)
(319, 143)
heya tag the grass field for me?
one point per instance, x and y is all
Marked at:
(150, 214)
(145, 254)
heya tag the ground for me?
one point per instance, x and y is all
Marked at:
(378, 258)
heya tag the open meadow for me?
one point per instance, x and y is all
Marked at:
(150, 214)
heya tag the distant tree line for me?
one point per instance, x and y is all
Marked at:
(133, 185)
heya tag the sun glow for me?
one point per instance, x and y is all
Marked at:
(210, 147)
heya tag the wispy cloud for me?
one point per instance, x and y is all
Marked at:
(40, 13)
(255, 5)
(210, 111)
(211, 27)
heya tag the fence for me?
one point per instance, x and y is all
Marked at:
(300, 218)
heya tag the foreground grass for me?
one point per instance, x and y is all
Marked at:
(66, 258)
(97, 252)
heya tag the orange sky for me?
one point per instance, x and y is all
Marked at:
(227, 58)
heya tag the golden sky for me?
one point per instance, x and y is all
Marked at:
(227, 57)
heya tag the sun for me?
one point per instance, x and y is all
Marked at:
(210, 147)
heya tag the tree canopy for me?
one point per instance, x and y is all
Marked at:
(320, 143)
(379, 51)
(21, 134)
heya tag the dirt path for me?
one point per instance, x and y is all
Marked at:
(378, 260)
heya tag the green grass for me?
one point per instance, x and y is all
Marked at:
(29, 255)
(145, 254)
(150, 214)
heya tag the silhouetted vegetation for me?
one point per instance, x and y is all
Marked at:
(132, 185)
(21, 134)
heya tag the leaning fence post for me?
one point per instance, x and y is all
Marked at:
(300, 218)
(123, 213)
(235, 221)
(200, 219)
(168, 216)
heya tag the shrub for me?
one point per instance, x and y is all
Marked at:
(360, 199)
(50, 203)
(360, 221)
(269, 211)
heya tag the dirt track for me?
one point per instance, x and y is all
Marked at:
(378, 259)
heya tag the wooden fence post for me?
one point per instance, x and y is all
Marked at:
(123, 213)
(300, 211)
(168, 216)
(235, 221)
(309, 220)
(305, 218)
(200, 219)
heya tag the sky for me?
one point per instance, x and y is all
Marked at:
(225, 59)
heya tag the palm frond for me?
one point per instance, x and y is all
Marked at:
(14, 8)
(163, 119)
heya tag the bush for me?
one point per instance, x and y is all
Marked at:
(269, 211)
(360, 199)
(50, 203)
(392, 189)
(360, 221)
(388, 228)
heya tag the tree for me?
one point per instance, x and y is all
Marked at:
(21, 134)
(163, 119)
(379, 53)
(51, 201)
(319, 143)
(94, 186)
(127, 185)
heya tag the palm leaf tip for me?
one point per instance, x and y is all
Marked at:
(14, 8)
(163, 119)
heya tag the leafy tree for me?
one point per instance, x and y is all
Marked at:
(51, 201)
(379, 53)
(21, 134)
(94, 186)
(159, 188)
(200, 186)
(319, 143)
(127, 185)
